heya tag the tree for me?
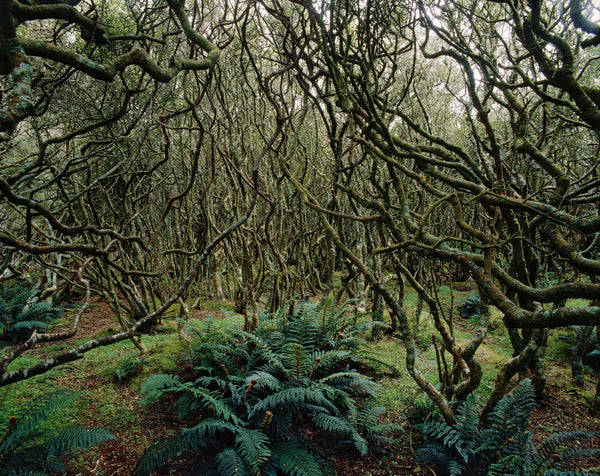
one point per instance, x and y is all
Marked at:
(103, 105)
(406, 141)
(500, 180)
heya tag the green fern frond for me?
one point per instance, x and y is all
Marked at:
(188, 439)
(25, 449)
(292, 400)
(158, 385)
(360, 443)
(230, 463)
(21, 314)
(303, 327)
(77, 438)
(370, 416)
(331, 359)
(253, 446)
(346, 427)
(563, 441)
(297, 360)
(37, 311)
(296, 461)
(450, 437)
(511, 414)
(32, 415)
(185, 404)
(467, 420)
(209, 427)
(433, 453)
(29, 325)
(507, 465)
(352, 381)
(14, 298)
(214, 403)
(208, 381)
(264, 380)
(455, 468)
(335, 424)
(166, 450)
(562, 451)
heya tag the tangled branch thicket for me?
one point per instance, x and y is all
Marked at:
(159, 151)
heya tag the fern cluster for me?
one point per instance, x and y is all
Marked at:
(26, 448)
(21, 313)
(501, 446)
(470, 307)
(254, 391)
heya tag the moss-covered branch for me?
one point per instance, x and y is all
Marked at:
(14, 51)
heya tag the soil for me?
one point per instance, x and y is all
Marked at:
(558, 412)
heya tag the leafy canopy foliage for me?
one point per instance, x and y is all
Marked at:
(253, 393)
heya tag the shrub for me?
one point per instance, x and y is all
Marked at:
(21, 313)
(253, 394)
(27, 448)
(470, 308)
(501, 446)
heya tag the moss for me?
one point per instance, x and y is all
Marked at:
(107, 331)
(560, 342)
(163, 357)
(22, 362)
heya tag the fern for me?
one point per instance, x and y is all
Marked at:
(29, 417)
(470, 307)
(353, 382)
(296, 461)
(561, 452)
(210, 427)
(25, 449)
(264, 380)
(253, 445)
(156, 386)
(344, 428)
(164, 451)
(502, 446)
(187, 440)
(68, 441)
(230, 463)
(250, 391)
(296, 360)
(21, 314)
(292, 401)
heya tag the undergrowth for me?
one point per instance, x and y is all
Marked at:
(501, 445)
(27, 447)
(21, 313)
(253, 395)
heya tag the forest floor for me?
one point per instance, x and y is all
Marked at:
(111, 378)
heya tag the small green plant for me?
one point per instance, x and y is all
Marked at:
(27, 448)
(501, 445)
(21, 313)
(255, 394)
(470, 308)
(131, 366)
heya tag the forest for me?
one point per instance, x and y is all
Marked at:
(300, 237)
